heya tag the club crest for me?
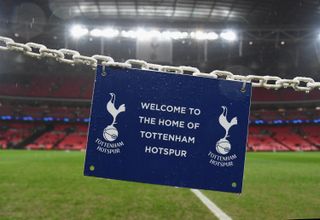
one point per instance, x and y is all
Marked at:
(110, 133)
(223, 145)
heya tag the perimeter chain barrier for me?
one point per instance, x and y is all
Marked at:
(73, 57)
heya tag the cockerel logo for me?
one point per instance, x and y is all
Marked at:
(110, 133)
(223, 146)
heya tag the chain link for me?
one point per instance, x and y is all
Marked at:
(34, 47)
(152, 66)
(141, 64)
(85, 60)
(18, 47)
(102, 60)
(5, 41)
(73, 57)
(190, 69)
(285, 83)
(206, 75)
(70, 53)
(222, 74)
(171, 69)
(300, 87)
(56, 54)
(271, 82)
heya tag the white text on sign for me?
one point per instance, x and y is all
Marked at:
(162, 122)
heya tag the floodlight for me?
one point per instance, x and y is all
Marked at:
(96, 32)
(174, 35)
(212, 36)
(78, 31)
(144, 35)
(198, 35)
(110, 33)
(228, 35)
(129, 34)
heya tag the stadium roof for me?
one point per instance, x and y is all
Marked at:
(217, 12)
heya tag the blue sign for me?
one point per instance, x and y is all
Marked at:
(168, 129)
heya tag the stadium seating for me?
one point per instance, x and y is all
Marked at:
(285, 114)
(59, 86)
(74, 141)
(284, 138)
(260, 139)
(74, 112)
(40, 111)
(79, 86)
(265, 143)
(291, 138)
(311, 133)
(47, 141)
(13, 133)
(263, 95)
(73, 136)
(62, 137)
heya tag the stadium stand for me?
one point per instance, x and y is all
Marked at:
(260, 139)
(289, 137)
(283, 138)
(59, 86)
(74, 141)
(73, 136)
(76, 86)
(62, 137)
(14, 133)
(47, 141)
(311, 134)
(40, 111)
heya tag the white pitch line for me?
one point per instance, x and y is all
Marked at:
(221, 215)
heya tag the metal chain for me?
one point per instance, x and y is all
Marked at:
(73, 57)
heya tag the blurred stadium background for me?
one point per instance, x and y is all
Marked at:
(45, 105)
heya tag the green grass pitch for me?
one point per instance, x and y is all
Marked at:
(50, 185)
